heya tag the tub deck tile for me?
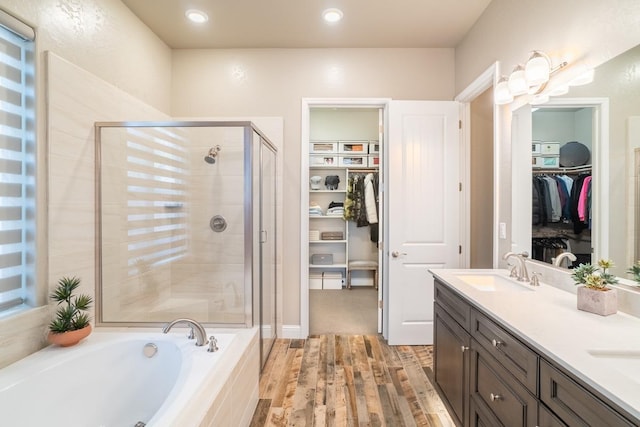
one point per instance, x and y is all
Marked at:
(348, 380)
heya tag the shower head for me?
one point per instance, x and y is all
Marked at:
(212, 154)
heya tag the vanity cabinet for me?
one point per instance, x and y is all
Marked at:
(489, 377)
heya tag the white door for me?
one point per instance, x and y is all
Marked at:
(423, 202)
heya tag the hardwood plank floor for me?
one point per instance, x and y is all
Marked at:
(348, 380)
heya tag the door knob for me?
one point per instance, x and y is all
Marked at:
(396, 254)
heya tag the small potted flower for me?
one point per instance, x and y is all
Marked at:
(635, 271)
(595, 295)
(71, 323)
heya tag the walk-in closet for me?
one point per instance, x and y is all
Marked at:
(345, 219)
(562, 217)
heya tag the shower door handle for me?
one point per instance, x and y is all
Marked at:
(263, 236)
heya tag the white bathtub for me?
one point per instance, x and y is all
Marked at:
(107, 381)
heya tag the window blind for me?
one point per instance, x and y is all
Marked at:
(156, 197)
(17, 167)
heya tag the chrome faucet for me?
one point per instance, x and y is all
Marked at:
(523, 274)
(557, 261)
(196, 328)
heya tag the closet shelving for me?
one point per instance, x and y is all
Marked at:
(333, 158)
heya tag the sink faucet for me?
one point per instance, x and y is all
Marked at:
(557, 261)
(523, 275)
(197, 328)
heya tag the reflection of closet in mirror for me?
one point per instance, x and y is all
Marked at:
(562, 218)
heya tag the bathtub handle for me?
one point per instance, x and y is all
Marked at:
(213, 344)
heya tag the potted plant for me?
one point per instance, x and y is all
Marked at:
(634, 270)
(71, 323)
(595, 295)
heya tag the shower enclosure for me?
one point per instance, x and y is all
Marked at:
(186, 224)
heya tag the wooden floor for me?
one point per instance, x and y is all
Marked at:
(348, 380)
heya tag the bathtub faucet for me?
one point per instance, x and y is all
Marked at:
(197, 328)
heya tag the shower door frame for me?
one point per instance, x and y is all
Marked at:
(248, 129)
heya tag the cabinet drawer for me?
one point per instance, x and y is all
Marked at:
(494, 387)
(323, 147)
(547, 419)
(573, 404)
(455, 306)
(355, 147)
(508, 350)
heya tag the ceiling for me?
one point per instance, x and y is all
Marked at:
(298, 24)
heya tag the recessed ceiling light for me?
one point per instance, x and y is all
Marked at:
(197, 16)
(332, 15)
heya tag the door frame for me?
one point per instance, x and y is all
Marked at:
(486, 80)
(307, 104)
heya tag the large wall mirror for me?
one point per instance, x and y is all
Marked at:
(604, 118)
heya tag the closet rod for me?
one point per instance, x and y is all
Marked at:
(568, 169)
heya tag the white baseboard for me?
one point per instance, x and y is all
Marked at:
(291, 332)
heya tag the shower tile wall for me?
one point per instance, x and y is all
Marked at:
(76, 99)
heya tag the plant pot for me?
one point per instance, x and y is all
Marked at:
(67, 339)
(603, 302)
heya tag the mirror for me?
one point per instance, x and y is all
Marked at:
(615, 206)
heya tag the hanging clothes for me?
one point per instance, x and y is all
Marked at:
(361, 201)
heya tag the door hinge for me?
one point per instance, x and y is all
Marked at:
(460, 186)
(459, 249)
(459, 124)
(380, 305)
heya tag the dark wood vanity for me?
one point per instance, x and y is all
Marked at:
(490, 376)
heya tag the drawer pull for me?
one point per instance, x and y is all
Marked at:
(464, 348)
(496, 342)
(495, 397)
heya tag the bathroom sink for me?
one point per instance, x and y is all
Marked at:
(492, 283)
(627, 362)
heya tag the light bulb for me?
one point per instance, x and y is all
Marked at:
(517, 82)
(332, 15)
(501, 93)
(196, 16)
(537, 69)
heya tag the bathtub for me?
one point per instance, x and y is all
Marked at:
(108, 381)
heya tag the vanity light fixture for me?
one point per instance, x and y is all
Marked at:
(196, 16)
(332, 15)
(532, 78)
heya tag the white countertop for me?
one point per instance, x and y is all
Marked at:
(547, 318)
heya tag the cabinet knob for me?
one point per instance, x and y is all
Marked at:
(496, 342)
(495, 397)
(464, 348)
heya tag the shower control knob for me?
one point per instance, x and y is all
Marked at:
(218, 223)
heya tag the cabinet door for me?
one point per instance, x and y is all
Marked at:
(452, 365)
(493, 387)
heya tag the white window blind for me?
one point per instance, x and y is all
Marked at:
(17, 166)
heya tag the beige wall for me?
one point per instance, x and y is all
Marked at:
(580, 31)
(273, 82)
(105, 38)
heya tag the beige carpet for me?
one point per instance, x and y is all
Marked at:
(343, 311)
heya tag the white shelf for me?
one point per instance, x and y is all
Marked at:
(326, 216)
(327, 241)
(327, 266)
(327, 191)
